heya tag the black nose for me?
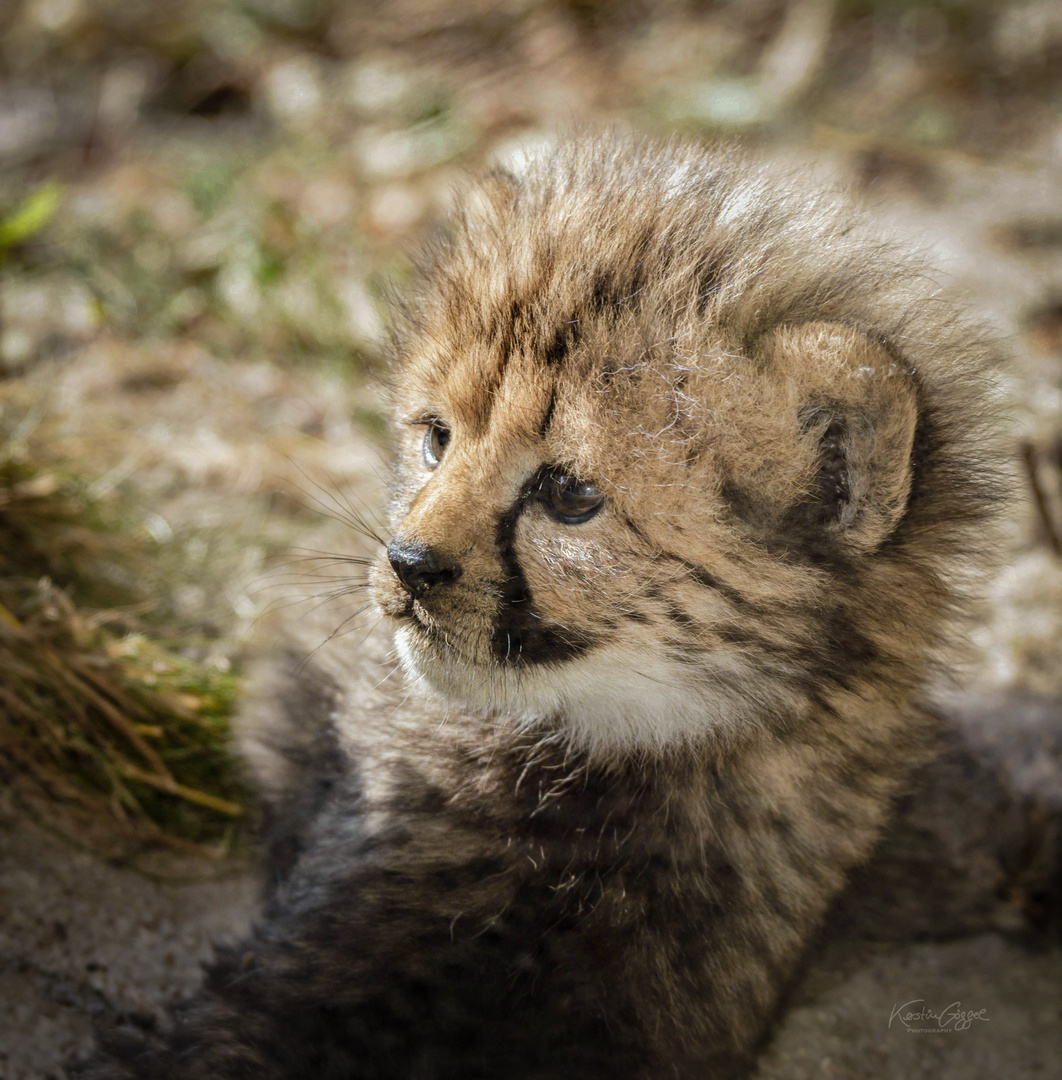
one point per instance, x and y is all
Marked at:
(420, 567)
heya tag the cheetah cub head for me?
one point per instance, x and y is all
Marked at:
(680, 457)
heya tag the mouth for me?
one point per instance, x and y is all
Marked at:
(512, 642)
(414, 615)
(513, 635)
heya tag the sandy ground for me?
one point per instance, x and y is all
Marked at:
(839, 1025)
(82, 942)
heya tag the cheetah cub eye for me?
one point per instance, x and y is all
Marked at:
(436, 440)
(567, 499)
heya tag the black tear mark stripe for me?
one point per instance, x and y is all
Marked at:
(520, 633)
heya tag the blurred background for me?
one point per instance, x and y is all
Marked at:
(203, 204)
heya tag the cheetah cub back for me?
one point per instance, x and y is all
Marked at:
(690, 474)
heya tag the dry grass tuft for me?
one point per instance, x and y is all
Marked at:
(96, 719)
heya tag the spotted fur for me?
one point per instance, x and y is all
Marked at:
(587, 826)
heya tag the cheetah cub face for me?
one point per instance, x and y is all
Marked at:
(652, 487)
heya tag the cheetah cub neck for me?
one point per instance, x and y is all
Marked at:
(683, 459)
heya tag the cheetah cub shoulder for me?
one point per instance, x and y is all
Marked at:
(690, 471)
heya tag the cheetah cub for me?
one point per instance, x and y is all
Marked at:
(690, 472)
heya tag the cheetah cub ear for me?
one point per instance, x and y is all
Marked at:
(854, 407)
